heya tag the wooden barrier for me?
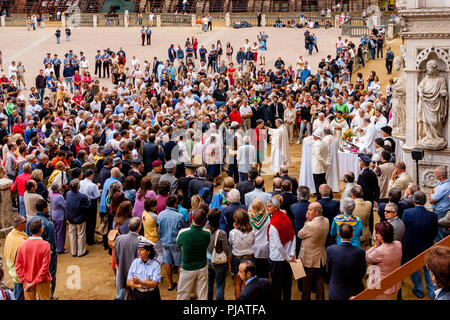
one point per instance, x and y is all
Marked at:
(401, 273)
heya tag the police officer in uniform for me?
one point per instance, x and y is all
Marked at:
(106, 60)
(143, 35)
(56, 66)
(98, 64)
(149, 36)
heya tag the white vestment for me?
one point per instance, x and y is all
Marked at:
(279, 154)
(332, 175)
(367, 141)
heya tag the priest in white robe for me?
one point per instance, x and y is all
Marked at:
(332, 175)
(321, 123)
(338, 125)
(378, 120)
(358, 119)
(367, 141)
(280, 153)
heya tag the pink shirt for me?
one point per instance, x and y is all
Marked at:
(139, 203)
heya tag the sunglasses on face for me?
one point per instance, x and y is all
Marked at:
(389, 211)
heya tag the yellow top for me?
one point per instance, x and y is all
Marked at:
(150, 227)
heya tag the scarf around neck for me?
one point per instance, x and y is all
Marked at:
(283, 225)
(259, 221)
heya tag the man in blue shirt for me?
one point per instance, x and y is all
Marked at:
(189, 53)
(170, 222)
(202, 51)
(149, 36)
(439, 197)
(106, 60)
(143, 34)
(98, 64)
(68, 73)
(56, 66)
(304, 74)
(47, 60)
(172, 53)
(75, 63)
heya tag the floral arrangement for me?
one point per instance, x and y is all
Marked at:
(348, 135)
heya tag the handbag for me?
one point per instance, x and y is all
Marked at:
(103, 228)
(218, 258)
(112, 236)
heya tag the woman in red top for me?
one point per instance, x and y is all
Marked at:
(231, 71)
(121, 60)
(18, 127)
(87, 78)
(77, 98)
(235, 115)
(195, 46)
(77, 80)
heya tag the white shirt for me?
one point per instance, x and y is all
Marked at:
(368, 139)
(381, 122)
(241, 243)
(134, 62)
(84, 64)
(12, 70)
(245, 110)
(278, 252)
(96, 105)
(318, 124)
(319, 153)
(89, 188)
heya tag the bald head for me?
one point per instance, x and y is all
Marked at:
(259, 182)
(277, 183)
(115, 172)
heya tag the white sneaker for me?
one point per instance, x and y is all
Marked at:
(298, 142)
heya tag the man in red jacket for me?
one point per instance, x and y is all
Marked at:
(32, 264)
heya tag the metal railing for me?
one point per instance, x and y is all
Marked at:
(271, 20)
(103, 21)
(168, 19)
(14, 21)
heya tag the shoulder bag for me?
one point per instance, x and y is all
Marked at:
(112, 236)
(218, 258)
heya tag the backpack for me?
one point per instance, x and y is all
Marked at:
(205, 193)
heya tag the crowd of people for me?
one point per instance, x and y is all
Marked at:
(169, 159)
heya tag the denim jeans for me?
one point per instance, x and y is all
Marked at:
(302, 129)
(310, 48)
(58, 40)
(41, 94)
(69, 83)
(22, 209)
(416, 278)
(214, 66)
(441, 231)
(372, 53)
(217, 272)
(18, 291)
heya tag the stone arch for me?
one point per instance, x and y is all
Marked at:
(439, 54)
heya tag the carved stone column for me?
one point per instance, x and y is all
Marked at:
(426, 31)
(6, 212)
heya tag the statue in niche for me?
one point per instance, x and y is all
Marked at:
(398, 102)
(432, 108)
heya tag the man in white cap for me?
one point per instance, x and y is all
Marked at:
(170, 176)
(319, 153)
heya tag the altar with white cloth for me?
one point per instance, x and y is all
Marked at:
(306, 175)
(348, 161)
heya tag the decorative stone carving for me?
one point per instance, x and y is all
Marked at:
(399, 100)
(428, 178)
(441, 53)
(432, 108)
